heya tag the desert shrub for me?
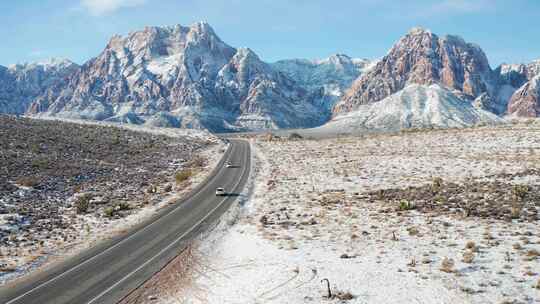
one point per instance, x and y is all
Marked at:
(122, 206)
(515, 210)
(413, 231)
(82, 203)
(437, 184)
(533, 253)
(520, 191)
(295, 136)
(40, 163)
(447, 265)
(109, 211)
(471, 245)
(344, 295)
(151, 189)
(182, 175)
(28, 181)
(468, 256)
(406, 205)
(167, 188)
(197, 162)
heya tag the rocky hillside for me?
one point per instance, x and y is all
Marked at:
(181, 77)
(329, 77)
(421, 57)
(524, 101)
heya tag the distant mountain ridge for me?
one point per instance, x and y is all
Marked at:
(20, 84)
(186, 76)
(181, 77)
(329, 77)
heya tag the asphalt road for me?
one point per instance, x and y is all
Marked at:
(109, 271)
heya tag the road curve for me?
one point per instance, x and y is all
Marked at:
(109, 271)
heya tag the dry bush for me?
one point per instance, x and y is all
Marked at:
(533, 253)
(27, 181)
(182, 176)
(197, 162)
(406, 205)
(468, 256)
(413, 231)
(344, 295)
(82, 203)
(515, 210)
(447, 265)
(108, 212)
(520, 191)
(437, 184)
(471, 245)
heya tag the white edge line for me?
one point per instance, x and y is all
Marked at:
(173, 243)
(102, 252)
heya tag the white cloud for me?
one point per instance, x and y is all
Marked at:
(103, 7)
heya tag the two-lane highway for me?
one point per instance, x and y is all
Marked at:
(112, 269)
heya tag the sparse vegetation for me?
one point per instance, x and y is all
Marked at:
(447, 265)
(108, 211)
(182, 176)
(101, 167)
(406, 205)
(533, 253)
(486, 199)
(437, 184)
(28, 181)
(82, 203)
(520, 191)
(471, 245)
(295, 136)
(468, 256)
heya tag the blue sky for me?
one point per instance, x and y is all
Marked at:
(33, 30)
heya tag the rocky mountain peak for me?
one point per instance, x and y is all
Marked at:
(180, 76)
(418, 30)
(421, 57)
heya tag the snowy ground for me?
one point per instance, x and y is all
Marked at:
(91, 228)
(309, 218)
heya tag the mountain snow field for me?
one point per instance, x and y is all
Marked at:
(414, 107)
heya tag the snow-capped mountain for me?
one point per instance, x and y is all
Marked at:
(415, 106)
(20, 84)
(525, 102)
(421, 57)
(181, 76)
(328, 78)
(524, 98)
(268, 99)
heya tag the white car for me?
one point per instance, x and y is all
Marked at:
(228, 164)
(220, 191)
